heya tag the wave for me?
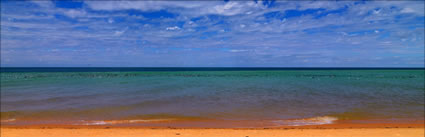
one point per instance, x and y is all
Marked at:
(308, 121)
(113, 122)
(7, 120)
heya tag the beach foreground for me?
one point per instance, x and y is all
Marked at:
(129, 132)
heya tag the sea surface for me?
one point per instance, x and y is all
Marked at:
(210, 97)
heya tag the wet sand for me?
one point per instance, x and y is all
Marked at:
(331, 130)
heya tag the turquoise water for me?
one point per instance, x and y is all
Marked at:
(275, 95)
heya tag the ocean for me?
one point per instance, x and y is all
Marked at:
(210, 97)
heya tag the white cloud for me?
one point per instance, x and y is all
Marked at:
(110, 20)
(75, 13)
(328, 5)
(194, 8)
(230, 8)
(245, 32)
(237, 50)
(44, 4)
(172, 28)
(119, 33)
(145, 5)
(407, 10)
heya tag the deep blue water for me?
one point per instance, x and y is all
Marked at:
(135, 69)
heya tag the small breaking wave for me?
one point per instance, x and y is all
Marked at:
(308, 121)
(113, 122)
(8, 120)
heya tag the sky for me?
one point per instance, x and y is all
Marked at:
(96, 33)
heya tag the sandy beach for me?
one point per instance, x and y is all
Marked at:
(129, 132)
(329, 130)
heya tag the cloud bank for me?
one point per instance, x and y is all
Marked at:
(213, 33)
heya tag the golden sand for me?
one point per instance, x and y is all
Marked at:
(415, 129)
(144, 132)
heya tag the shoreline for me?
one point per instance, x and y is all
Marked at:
(309, 123)
(126, 132)
(324, 126)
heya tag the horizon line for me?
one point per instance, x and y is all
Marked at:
(211, 67)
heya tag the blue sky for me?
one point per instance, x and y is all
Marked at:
(212, 33)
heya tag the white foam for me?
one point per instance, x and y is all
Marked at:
(110, 122)
(8, 120)
(96, 123)
(308, 121)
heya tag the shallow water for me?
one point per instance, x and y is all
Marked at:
(282, 96)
